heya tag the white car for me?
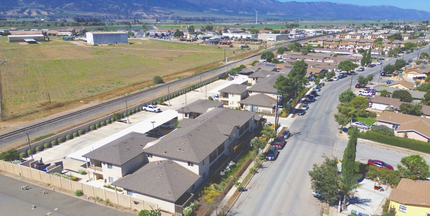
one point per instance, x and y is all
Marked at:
(335, 78)
(360, 125)
(152, 108)
(364, 93)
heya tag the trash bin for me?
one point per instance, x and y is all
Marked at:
(353, 212)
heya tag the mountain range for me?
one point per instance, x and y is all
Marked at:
(165, 8)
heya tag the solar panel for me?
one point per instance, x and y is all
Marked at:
(288, 67)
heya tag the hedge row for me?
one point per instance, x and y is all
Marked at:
(397, 141)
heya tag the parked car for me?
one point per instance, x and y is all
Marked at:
(379, 63)
(152, 108)
(370, 66)
(272, 153)
(360, 69)
(335, 78)
(311, 98)
(389, 81)
(360, 125)
(318, 89)
(352, 73)
(279, 142)
(286, 134)
(357, 85)
(314, 92)
(380, 164)
(364, 93)
(305, 106)
(301, 112)
(316, 195)
(167, 125)
(338, 70)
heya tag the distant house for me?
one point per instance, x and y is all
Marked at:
(258, 74)
(259, 103)
(265, 86)
(385, 103)
(232, 94)
(402, 84)
(416, 95)
(413, 127)
(197, 108)
(118, 158)
(411, 198)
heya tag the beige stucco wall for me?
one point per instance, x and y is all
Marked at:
(115, 172)
(168, 206)
(412, 135)
(133, 164)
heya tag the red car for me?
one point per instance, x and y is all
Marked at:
(380, 164)
(357, 85)
(279, 142)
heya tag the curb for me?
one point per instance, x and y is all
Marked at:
(392, 147)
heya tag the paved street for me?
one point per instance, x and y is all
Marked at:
(282, 187)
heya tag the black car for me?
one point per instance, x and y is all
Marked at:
(272, 153)
(314, 92)
(301, 112)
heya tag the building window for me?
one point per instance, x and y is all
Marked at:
(149, 155)
(402, 208)
(203, 162)
(130, 193)
(190, 164)
(204, 175)
(110, 179)
(109, 166)
(192, 187)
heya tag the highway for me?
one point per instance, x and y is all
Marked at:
(282, 187)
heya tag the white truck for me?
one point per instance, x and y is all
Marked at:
(151, 108)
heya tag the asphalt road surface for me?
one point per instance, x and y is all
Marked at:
(282, 187)
(17, 202)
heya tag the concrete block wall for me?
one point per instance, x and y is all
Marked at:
(102, 193)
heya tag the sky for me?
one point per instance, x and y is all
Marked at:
(406, 4)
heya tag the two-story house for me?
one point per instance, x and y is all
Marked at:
(197, 108)
(118, 158)
(232, 94)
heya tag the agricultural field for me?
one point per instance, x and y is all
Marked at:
(70, 71)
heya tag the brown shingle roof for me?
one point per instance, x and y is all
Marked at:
(407, 122)
(410, 192)
(426, 110)
(165, 180)
(395, 102)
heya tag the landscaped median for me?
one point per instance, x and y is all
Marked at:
(397, 141)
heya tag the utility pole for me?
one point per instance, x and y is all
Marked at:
(29, 144)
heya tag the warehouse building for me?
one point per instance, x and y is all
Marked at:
(107, 38)
(272, 37)
(26, 38)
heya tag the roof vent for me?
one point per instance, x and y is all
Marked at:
(115, 146)
(128, 149)
(165, 152)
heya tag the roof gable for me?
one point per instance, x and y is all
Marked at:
(412, 192)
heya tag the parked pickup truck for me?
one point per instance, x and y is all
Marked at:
(279, 142)
(152, 108)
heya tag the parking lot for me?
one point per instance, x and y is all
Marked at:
(17, 202)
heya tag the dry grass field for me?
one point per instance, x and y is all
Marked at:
(72, 71)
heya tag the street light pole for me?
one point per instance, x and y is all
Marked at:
(153, 128)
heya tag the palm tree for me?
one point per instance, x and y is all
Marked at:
(346, 187)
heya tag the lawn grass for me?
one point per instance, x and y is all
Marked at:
(71, 71)
(367, 121)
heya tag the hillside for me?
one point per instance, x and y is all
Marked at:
(163, 8)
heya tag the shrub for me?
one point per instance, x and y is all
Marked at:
(73, 178)
(390, 176)
(79, 193)
(112, 119)
(144, 213)
(60, 139)
(124, 114)
(140, 108)
(128, 113)
(80, 132)
(39, 148)
(132, 111)
(82, 172)
(136, 110)
(210, 98)
(53, 142)
(396, 141)
(97, 125)
(102, 123)
(383, 130)
(107, 121)
(68, 137)
(157, 79)
(47, 145)
(22, 155)
(75, 134)
(30, 151)
(92, 127)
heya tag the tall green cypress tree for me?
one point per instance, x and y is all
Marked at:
(348, 181)
(369, 56)
(363, 59)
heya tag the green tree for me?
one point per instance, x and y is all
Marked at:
(292, 84)
(346, 109)
(254, 31)
(399, 64)
(9, 155)
(410, 46)
(325, 180)
(117, 116)
(191, 29)
(403, 95)
(304, 51)
(317, 81)
(281, 50)
(268, 55)
(342, 119)
(363, 59)
(370, 77)
(384, 93)
(410, 109)
(425, 87)
(426, 99)
(330, 75)
(347, 65)
(178, 33)
(348, 180)
(383, 130)
(360, 103)
(424, 55)
(268, 132)
(257, 143)
(389, 69)
(369, 56)
(414, 167)
(362, 80)
(346, 96)
(157, 79)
